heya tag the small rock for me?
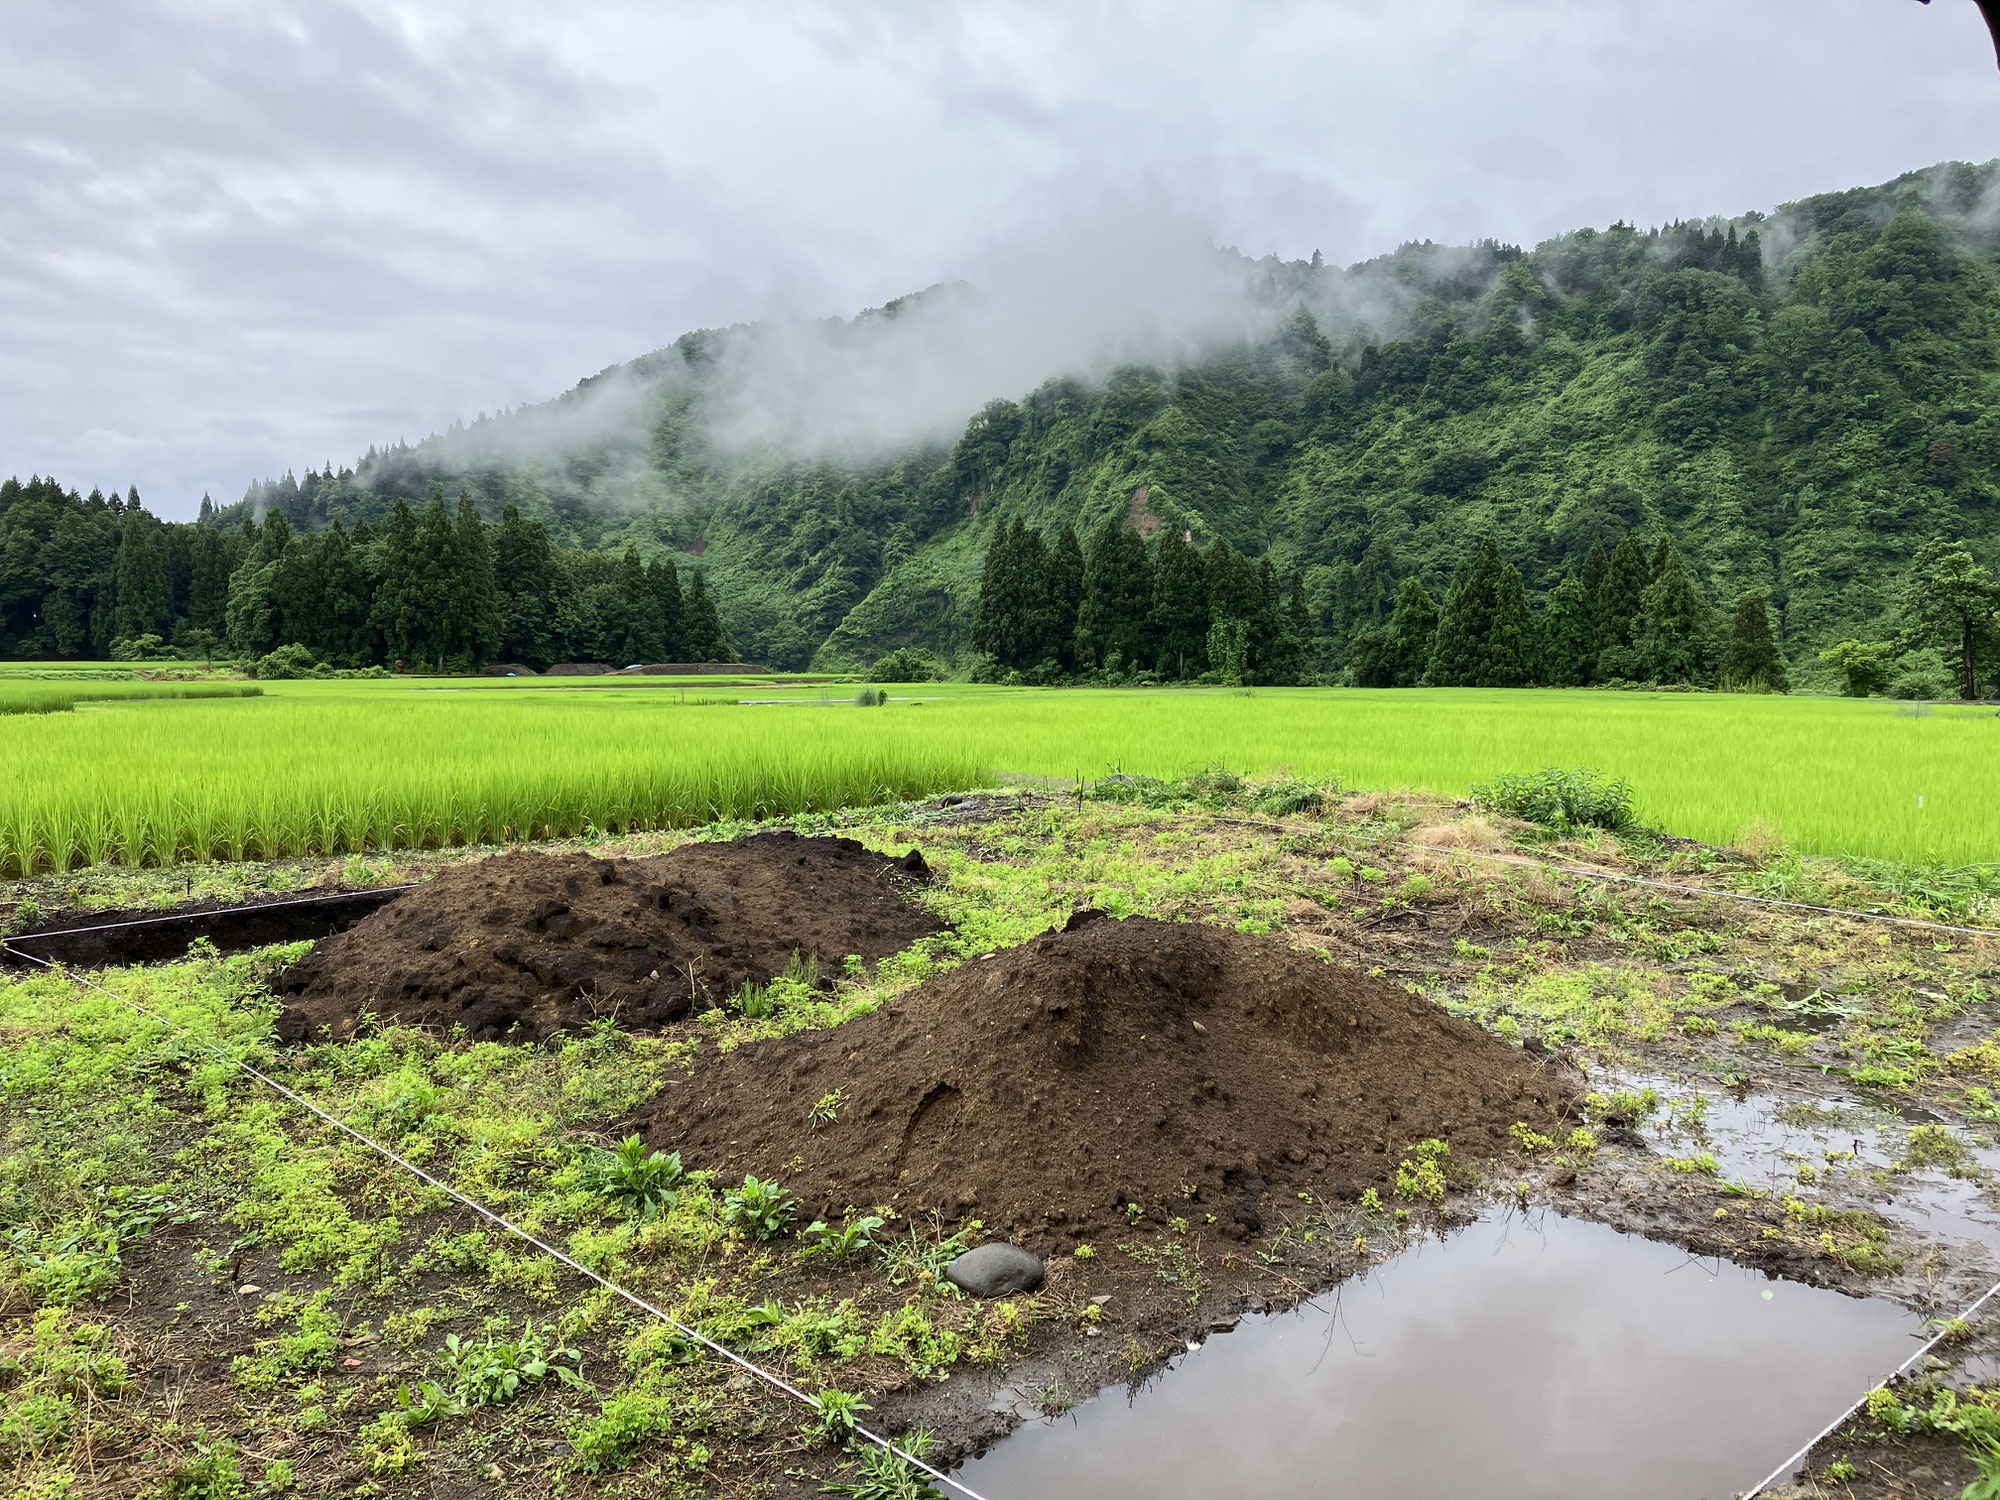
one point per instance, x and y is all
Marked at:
(1101, 1300)
(995, 1270)
(248, 1291)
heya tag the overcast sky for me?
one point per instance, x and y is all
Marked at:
(238, 236)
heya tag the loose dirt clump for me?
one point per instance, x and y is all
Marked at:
(1112, 1072)
(524, 945)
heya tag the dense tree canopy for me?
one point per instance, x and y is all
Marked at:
(92, 577)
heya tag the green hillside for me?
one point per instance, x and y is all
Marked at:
(1798, 401)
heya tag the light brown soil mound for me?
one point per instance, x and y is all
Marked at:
(1180, 1067)
(525, 944)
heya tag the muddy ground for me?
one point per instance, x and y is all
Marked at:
(1815, 1109)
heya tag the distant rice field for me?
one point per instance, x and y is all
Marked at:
(334, 767)
(18, 696)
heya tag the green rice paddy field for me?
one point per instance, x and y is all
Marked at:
(334, 766)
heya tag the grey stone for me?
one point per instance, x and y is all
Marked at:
(995, 1270)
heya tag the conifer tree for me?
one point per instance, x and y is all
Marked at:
(1615, 612)
(1483, 632)
(1031, 587)
(433, 612)
(1232, 584)
(343, 624)
(1009, 594)
(1267, 626)
(1299, 634)
(1615, 607)
(208, 581)
(1412, 633)
(144, 588)
(1671, 639)
(1595, 567)
(1179, 619)
(1117, 599)
(1061, 601)
(665, 582)
(400, 598)
(527, 580)
(1752, 662)
(635, 635)
(252, 615)
(705, 639)
(476, 627)
(1567, 642)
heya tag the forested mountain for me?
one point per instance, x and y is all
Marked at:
(1793, 404)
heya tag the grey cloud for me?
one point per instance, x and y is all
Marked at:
(236, 238)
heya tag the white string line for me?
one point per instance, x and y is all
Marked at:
(1655, 885)
(777, 1381)
(219, 911)
(1898, 1373)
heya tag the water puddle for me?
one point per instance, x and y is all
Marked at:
(1534, 1357)
(1762, 1142)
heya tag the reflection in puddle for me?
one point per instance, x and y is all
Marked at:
(1545, 1357)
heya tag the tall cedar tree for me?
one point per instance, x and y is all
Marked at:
(208, 585)
(437, 612)
(1671, 638)
(1300, 634)
(635, 635)
(1566, 642)
(665, 583)
(343, 623)
(1484, 631)
(1117, 599)
(1615, 607)
(1010, 597)
(1061, 601)
(252, 615)
(145, 588)
(1179, 619)
(527, 580)
(400, 603)
(1269, 652)
(477, 635)
(1752, 663)
(1232, 588)
(705, 641)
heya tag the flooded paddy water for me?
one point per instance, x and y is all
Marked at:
(1520, 1356)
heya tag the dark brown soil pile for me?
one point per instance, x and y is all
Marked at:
(524, 945)
(1180, 1067)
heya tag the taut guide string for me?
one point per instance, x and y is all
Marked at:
(776, 1381)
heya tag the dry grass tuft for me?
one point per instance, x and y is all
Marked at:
(1761, 840)
(1476, 833)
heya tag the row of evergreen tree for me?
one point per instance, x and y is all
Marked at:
(96, 577)
(1048, 613)
(1627, 617)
